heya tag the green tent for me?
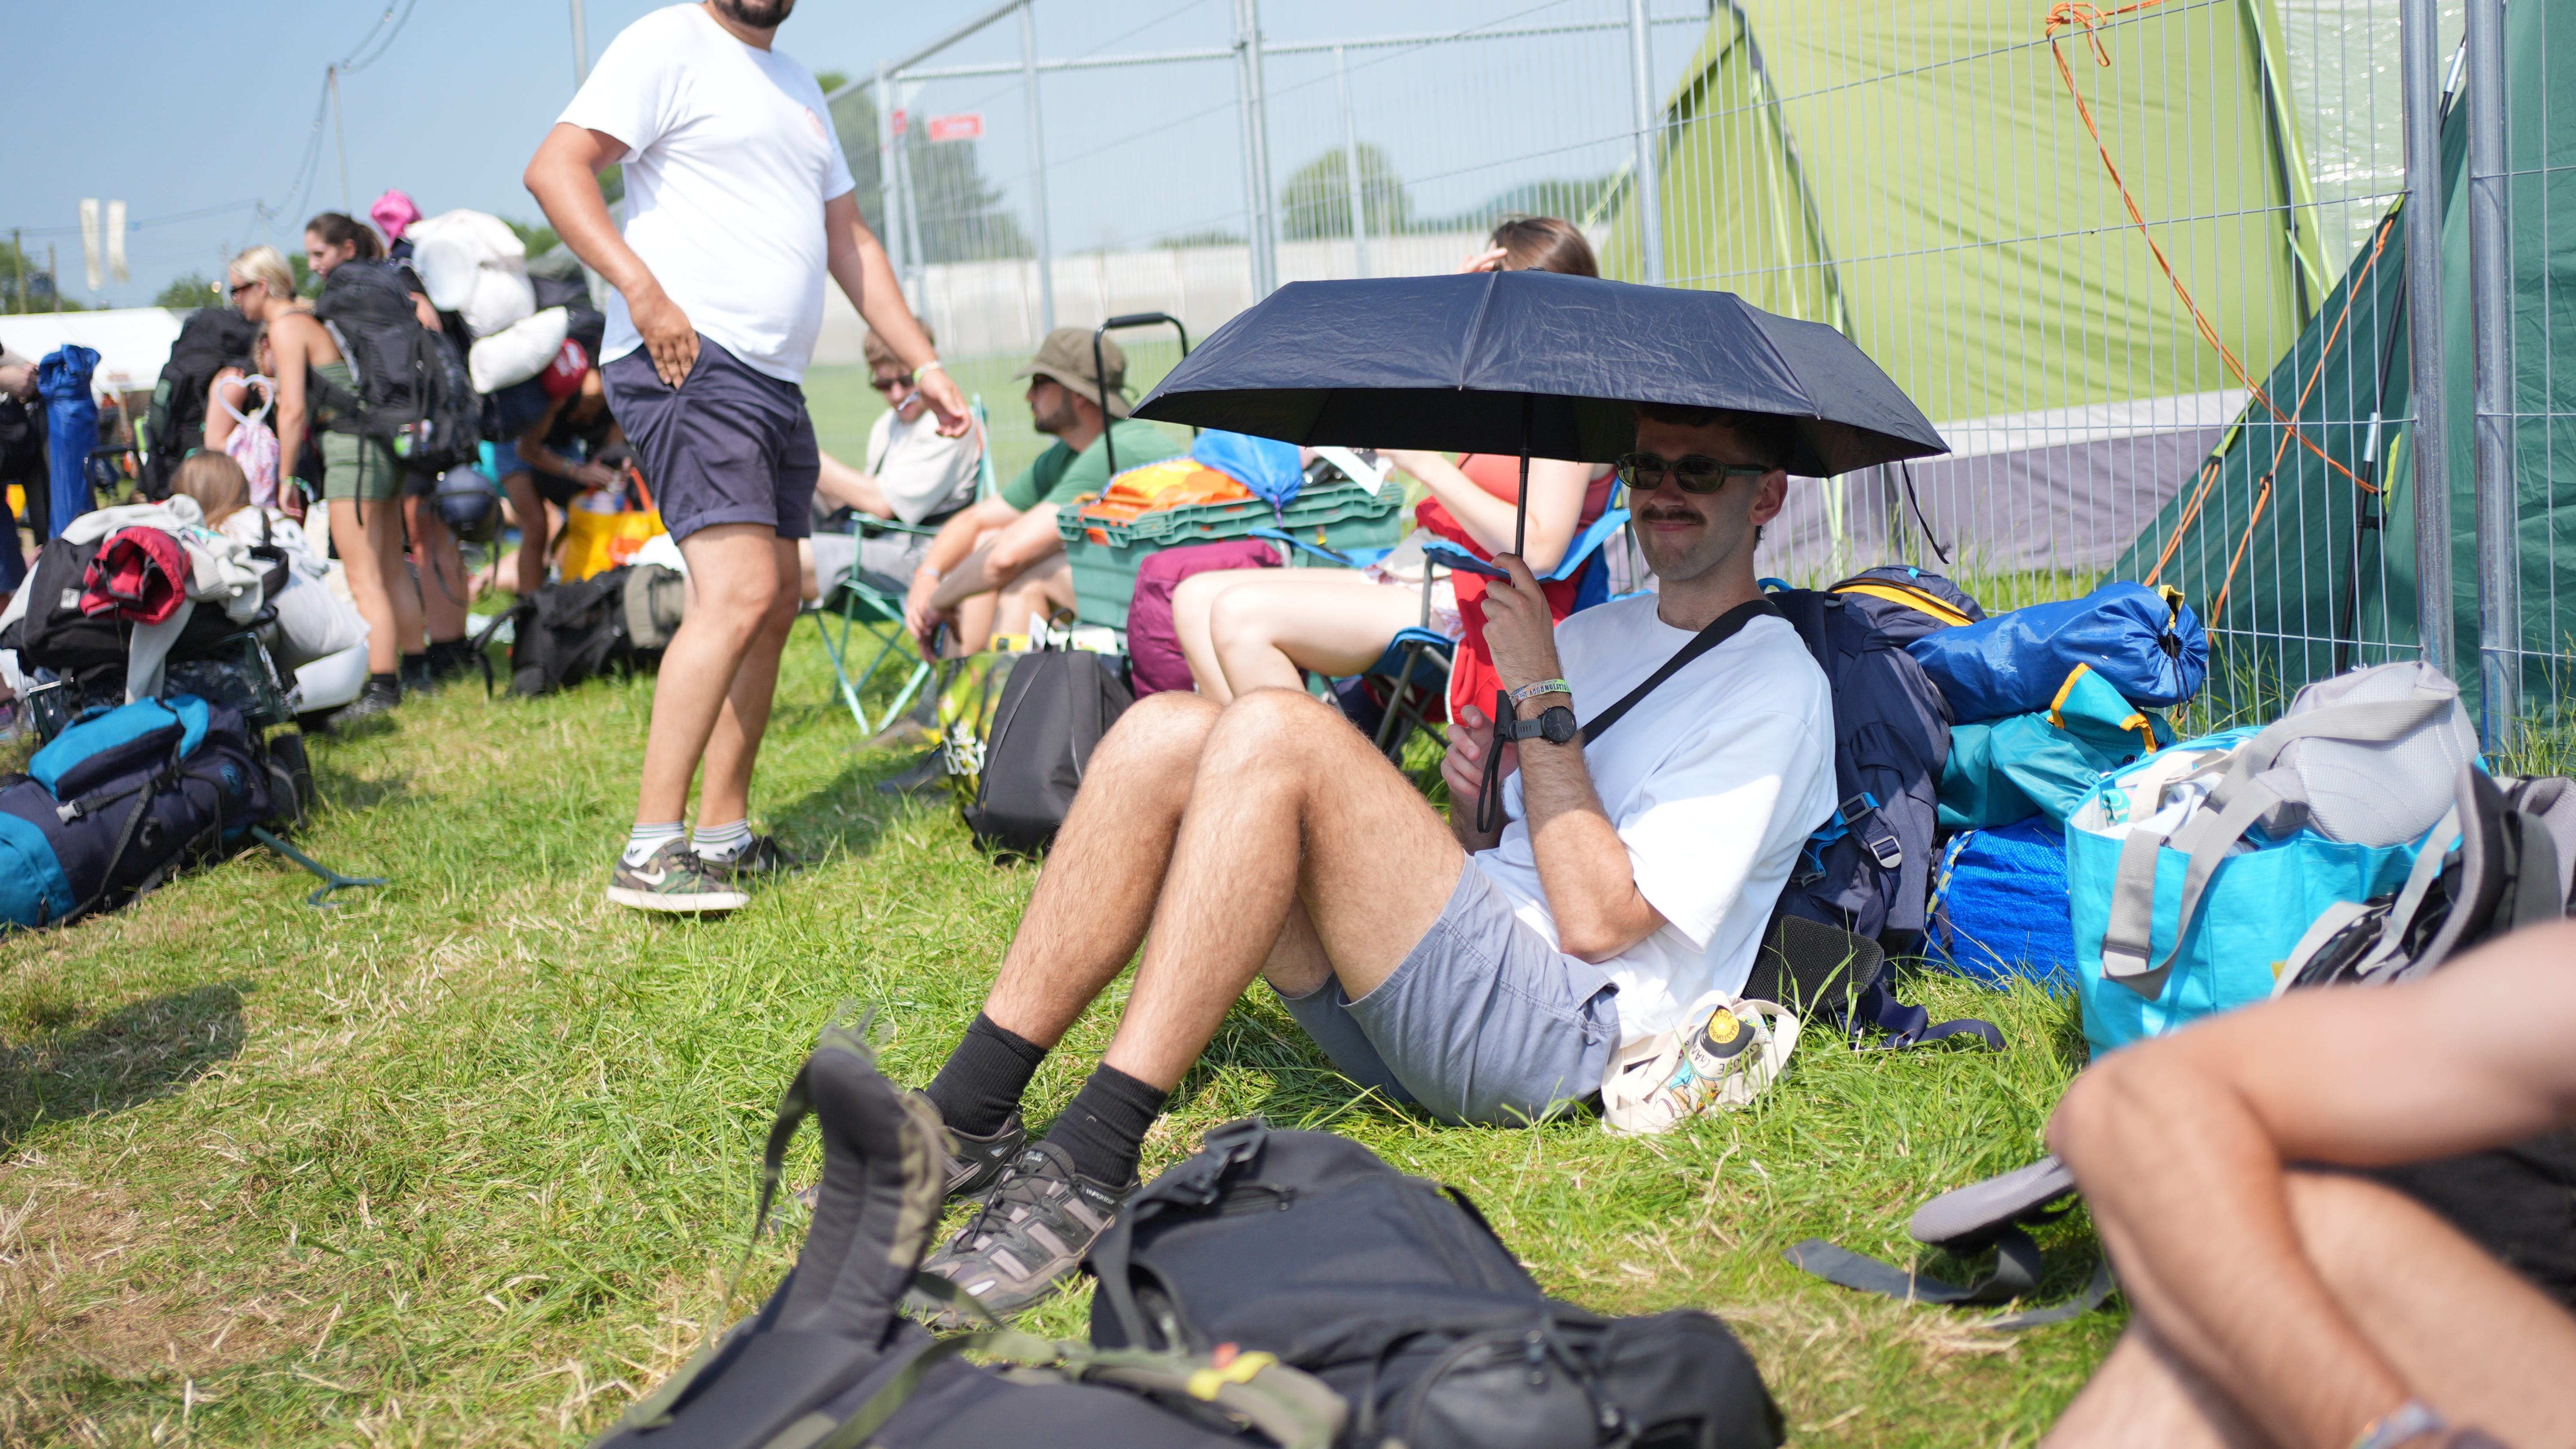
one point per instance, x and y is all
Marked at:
(2317, 571)
(1917, 176)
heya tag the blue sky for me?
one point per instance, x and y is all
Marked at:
(191, 108)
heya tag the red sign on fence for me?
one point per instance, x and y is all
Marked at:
(964, 126)
(900, 121)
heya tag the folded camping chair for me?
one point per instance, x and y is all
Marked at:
(878, 617)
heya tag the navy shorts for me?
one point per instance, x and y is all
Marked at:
(730, 445)
(1484, 1021)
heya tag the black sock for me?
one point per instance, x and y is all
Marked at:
(385, 681)
(414, 662)
(983, 1079)
(1104, 1130)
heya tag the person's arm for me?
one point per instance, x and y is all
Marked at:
(1471, 734)
(2180, 1146)
(564, 178)
(289, 345)
(1583, 865)
(859, 264)
(1556, 491)
(1027, 540)
(851, 488)
(948, 548)
(228, 388)
(542, 459)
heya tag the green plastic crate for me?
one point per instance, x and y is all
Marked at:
(1339, 516)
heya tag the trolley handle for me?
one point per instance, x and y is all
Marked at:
(1100, 370)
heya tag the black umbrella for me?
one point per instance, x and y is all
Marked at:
(1534, 363)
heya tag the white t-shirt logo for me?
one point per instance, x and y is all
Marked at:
(814, 121)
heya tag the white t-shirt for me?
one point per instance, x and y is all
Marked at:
(729, 160)
(918, 471)
(1714, 782)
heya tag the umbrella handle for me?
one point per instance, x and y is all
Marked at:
(1520, 510)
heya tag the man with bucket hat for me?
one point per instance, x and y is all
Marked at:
(998, 562)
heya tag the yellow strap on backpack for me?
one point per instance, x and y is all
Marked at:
(1910, 598)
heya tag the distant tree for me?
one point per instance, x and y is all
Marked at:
(24, 287)
(1214, 236)
(1316, 202)
(1575, 199)
(963, 215)
(538, 240)
(186, 294)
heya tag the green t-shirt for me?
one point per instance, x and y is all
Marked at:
(1058, 476)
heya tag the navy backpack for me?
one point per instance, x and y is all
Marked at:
(123, 799)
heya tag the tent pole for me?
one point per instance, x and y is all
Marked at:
(2491, 324)
(2419, 39)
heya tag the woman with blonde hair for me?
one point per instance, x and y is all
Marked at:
(312, 621)
(356, 470)
(1246, 628)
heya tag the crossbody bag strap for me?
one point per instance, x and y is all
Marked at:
(1720, 629)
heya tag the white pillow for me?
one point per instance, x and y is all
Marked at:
(517, 352)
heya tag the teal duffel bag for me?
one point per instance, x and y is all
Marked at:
(2195, 871)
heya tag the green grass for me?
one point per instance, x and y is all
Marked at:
(466, 1161)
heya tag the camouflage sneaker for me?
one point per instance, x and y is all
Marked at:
(673, 879)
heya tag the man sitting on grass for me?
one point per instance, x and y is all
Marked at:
(2306, 1304)
(1486, 977)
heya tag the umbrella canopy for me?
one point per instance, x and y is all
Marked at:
(1535, 363)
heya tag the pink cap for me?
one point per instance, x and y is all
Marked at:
(392, 212)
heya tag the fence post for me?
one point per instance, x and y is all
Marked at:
(1351, 169)
(889, 183)
(2491, 326)
(917, 295)
(1649, 163)
(1037, 167)
(1254, 108)
(2420, 65)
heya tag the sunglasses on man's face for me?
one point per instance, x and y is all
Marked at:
(891, 384)
(1644, 472)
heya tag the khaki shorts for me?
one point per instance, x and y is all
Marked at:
(359, 468)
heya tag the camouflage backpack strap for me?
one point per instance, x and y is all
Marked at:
(1293, 1410)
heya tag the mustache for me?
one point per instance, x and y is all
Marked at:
(1667, 515)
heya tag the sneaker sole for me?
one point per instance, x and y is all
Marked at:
(696, 904)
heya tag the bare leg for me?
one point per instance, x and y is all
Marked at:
(1192, 603)
(440, 563)
(530, 506)
(2470, 1338)
(379, 581)
(724, 795)
(1098, 890)
(1330, 621)
(735, 594)
(1288, 805)
(1041, 589)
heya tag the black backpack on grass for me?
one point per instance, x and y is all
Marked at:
(1054, 708)
(563, 634)
(212, 339)
(1394, 1291)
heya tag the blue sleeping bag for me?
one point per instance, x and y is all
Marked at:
(2150, 647)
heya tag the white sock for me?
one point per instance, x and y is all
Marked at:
(720, 842)
(643, 840)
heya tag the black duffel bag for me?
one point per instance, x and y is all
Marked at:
(1394, 1291)
(1054, 708)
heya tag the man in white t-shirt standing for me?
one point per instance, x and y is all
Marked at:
(738, 202)
(1488, 976)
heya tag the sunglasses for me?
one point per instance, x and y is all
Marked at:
(890, 384)
(241, 287)
(1644, 472)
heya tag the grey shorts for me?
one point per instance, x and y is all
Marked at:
(729, 445)
(1483, 1021)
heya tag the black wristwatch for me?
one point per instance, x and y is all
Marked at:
(1555, 725)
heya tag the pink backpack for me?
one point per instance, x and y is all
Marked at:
(253, 443)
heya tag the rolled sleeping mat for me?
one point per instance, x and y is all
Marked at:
(334, 679)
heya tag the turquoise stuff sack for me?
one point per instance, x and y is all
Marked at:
(2194, 873)
(2044, 763)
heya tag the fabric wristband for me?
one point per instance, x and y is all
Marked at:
(933, 365)
(1528, 692)
(2409, 1420)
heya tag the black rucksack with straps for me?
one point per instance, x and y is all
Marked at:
(212, 339)
(563, 634)
(1395, 1292)
(1054, 708)
(413, 393)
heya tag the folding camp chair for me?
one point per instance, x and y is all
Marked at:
(879, 617)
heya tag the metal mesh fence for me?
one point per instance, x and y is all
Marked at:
(2140, 264)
